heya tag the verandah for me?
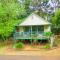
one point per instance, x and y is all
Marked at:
(31, 32)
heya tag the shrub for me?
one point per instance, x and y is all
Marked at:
(47, 33)
(56, 42)
(47, 46)
(19, 45)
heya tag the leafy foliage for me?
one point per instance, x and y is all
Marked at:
(47, 46)
(10, 13)
(19, 45)
(56, 19)
(56, 22)
(47, 33)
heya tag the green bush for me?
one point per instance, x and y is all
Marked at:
(47, 46)
(56, 42)
(19, 45)
(47, 33)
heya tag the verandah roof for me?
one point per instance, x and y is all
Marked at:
(33, 20)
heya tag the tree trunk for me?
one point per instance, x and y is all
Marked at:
(52, 41)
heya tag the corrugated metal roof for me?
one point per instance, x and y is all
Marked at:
(34, 19)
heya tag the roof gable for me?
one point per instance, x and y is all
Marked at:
(34, 19)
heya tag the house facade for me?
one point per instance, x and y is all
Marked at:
(33, 27)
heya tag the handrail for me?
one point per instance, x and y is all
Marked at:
(29, 35)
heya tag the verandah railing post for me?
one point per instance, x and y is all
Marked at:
(31, 34)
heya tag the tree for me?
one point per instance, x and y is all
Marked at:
(56, 21)
(10, 14)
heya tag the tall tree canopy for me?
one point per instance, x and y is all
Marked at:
(10, 12)
(56, 21)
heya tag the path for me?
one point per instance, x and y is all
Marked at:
(30, 51)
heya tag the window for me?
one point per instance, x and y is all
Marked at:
(40, 28)
(26, 29)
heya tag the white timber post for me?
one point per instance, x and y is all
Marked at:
(37, 34)
(37, 29)
(31, 34)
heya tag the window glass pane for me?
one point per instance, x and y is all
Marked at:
(26, 29)
(41, 28)
(34, 28)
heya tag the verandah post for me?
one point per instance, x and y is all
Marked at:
(31, 34)
(37, 30)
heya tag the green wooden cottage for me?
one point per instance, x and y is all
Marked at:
(33, 27)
